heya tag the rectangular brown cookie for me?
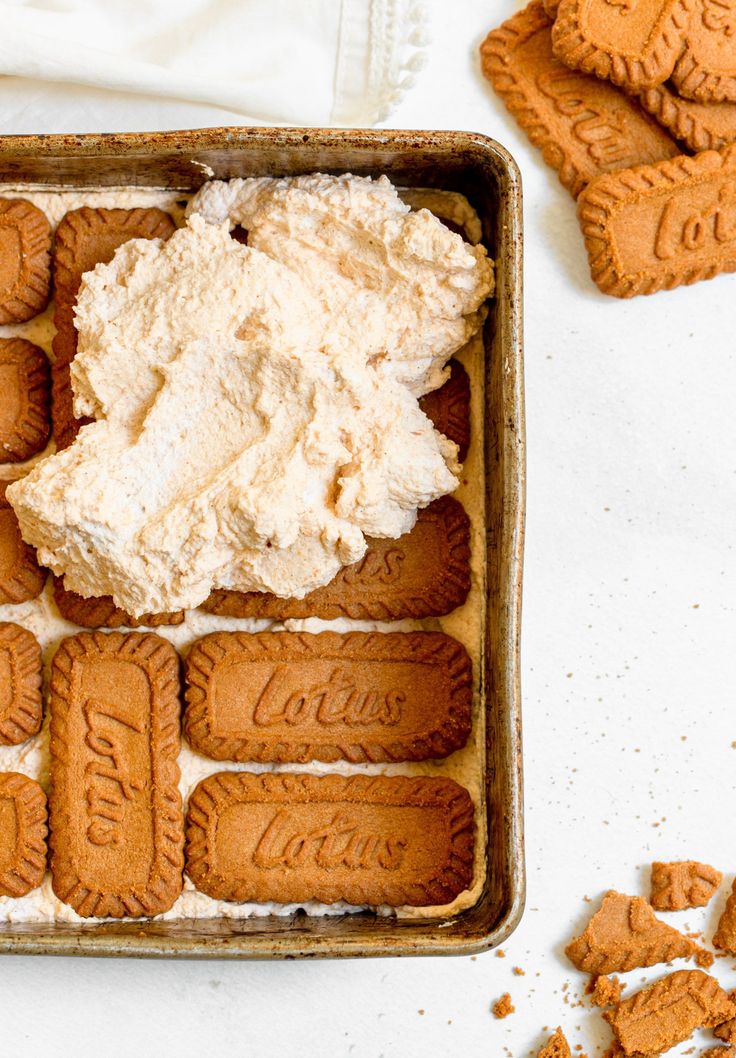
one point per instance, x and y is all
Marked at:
(101, 612)
(25, 262)
(21, 577)
(22, 834)
(116, 813)
(706, 70)
(25, 423)
(425, 573)
(661, 226)
(584, 127)
(449, 408)
(87, 237)
(21, 706)
(365, 839)
(702, 126)
(635, 43)
(668, 1012)
(359, 696)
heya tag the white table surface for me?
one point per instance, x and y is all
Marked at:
(629, 666)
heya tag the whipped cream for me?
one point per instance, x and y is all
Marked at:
(256, 405)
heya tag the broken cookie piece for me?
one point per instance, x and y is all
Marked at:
(604, 991)
(725, 935)
(503, 1006)
(556, 1046)
(625, 934)
(668, 1012)
(676, 886)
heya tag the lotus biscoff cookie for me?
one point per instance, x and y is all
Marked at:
(635, 43)
(676, 886)
(25, 264)
(625, 934)
(449, 408)
(661, 226)
(425, 573)
(22, 834)
(701, 126)
(25, 424)
(115, 807)
(584, 127)
(292, 696)
(365, 839)
(706, 70)
(21, 706)
(21, 577)
(87, 237)
(668, 1012)
(103, 613)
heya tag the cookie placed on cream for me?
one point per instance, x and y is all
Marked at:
(256, 405)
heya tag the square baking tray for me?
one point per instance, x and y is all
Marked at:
(487, 175)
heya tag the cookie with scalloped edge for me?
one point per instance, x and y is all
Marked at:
(25, 423)
(21, 577)
(25, 261)
(21, 705)
(23, 833)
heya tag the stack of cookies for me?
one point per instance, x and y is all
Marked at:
(116, 825)
(633, 102)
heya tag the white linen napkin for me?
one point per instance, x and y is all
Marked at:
(307, 62)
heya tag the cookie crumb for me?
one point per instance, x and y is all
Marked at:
(503, 1006)
(518, 972)
(500, 953)
(604, 991)
(556, 1046)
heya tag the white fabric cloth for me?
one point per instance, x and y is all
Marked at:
(247, 56)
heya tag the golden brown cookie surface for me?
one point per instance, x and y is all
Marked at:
(24, 400)
(22, 834)
(583, 126)
(292, 696)
(102, 612)
(21, 577)
(21, 705)
(115, 807)
(25, 264)
(366, 839)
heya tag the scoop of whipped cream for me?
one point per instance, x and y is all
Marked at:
(256, 406)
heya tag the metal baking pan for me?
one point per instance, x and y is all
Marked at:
(482, 170)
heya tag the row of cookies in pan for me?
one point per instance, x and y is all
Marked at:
(116, 818)
(425, 573)
(653, 216)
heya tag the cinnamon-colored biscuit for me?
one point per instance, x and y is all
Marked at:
(706, 70)
(365, 839)
(630, 42)
(116, 814)
(87, 237)
(25, 265)
(21, 706)
(422, 574)
(584, 126)
(103, 613)
(661, 226)
(726, 1031)
(292, 696)
(21, 577)
(551, 8)
(22, 834)
(625, 934)
(725, 935)
(24, 400)
(66, 424)
(676, 886)
(719, 1052)
(449, 408)
(604, 991)
(556, 1046)
(667, 1012)
(702, 126)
